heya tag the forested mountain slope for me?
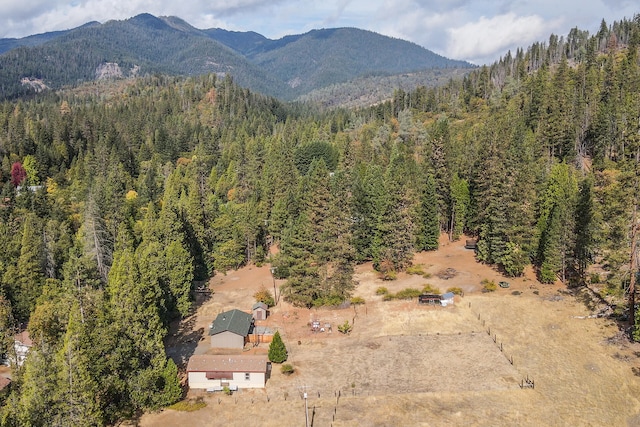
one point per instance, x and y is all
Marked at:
(35, 40)
(141, 45)
(141, 187)
(320, 58)
(145, 44)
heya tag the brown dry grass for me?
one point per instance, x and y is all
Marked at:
(406, 364)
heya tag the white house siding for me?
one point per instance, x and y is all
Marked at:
(256, 380)
(227, 339)
(198, 380)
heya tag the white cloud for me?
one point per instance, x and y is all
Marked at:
(491, 37)
(476, 30)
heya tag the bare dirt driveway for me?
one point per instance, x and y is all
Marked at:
(412, 365)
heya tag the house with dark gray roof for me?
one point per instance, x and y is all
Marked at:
(230, 329)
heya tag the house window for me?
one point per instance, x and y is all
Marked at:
(247, 376)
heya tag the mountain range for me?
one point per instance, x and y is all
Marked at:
(293, 67)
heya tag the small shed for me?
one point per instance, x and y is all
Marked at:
(447, 299)
(230, 329)
(260, 310)
(471, 244)
(430, 299)
(214, 372)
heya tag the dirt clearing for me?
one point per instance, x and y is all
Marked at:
(407, 364)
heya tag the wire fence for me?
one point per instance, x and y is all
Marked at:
(526, 382)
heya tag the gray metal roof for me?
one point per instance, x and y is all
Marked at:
(260, 304)
(235, 321)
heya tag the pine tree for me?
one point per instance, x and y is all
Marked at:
(428, 224)
(30, 273)
(277, 350)
(156, 385)
(37, 405)
(440, 140)
(97, 239)
(585, 227)
(460, 200)
(395, 228)
(342, 255)
(367, 202)
(179, 275)
(6, 327)
(77, 387)
(556, 224)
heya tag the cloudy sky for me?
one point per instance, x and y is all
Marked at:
(479, 31)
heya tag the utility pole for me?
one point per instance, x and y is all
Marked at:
(306, 407)
(306, 411)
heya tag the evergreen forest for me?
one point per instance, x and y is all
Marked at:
(117, 198)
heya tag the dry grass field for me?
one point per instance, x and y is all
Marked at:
(411, 365)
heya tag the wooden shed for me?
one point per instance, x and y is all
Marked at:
(260, 310)
(430, 299)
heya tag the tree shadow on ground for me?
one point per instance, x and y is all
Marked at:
(183, 338)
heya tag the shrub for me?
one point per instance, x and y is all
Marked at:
(456, 291)
(430, 289)
(188, 405)
(416, 269)
(345, 328)
(287, 369)
(327, 301)
(408, 293)
(546, 274)
(488, 285)
(264, 295)
(333, 300)
(382, 291)
(357, 300)
(595, 278)
(387, 270)
(388, 275)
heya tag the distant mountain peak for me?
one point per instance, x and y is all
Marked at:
(149, 21)
(287, 68)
